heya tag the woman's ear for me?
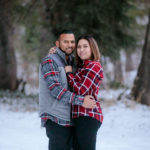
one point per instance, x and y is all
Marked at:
(57, 43)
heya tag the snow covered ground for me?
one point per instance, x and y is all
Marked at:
(126, 126)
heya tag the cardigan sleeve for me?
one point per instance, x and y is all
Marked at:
(51, 73)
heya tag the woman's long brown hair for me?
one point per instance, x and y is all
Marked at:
(93, 46)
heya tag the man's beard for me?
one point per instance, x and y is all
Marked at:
(65, 52)
(68, 54)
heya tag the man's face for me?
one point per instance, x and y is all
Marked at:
(66, 43)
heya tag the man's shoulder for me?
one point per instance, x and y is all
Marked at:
(46, 59)
(53, 58)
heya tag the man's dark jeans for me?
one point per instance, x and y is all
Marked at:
(60, 137)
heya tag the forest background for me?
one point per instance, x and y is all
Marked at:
(29, 28)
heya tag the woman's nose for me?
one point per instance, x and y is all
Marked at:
(81, 48)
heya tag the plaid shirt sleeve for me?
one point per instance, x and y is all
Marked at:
(50, 73)
(88, 76)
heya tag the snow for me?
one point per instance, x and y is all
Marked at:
(142, 20)
(21, 131)
(126, 127)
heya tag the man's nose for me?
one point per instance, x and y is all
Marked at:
(70, 44)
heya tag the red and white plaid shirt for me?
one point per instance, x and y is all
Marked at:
(86, 81)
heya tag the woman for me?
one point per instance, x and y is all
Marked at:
(86, 81)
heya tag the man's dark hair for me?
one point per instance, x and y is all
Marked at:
(66, 32)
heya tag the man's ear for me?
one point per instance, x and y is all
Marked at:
(57, 43)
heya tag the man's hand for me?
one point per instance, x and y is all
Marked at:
(68, 68)
(52, 50)
(89, 102)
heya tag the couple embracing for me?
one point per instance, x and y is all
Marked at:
(68, 90)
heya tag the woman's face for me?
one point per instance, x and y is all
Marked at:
(84, 50)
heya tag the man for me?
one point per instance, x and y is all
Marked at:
(54, 97)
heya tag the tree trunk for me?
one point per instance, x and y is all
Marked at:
(129, 62)
(51, 16)
(118, 74)
(7, 56)
(141, 88)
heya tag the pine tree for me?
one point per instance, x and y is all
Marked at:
(107, 21)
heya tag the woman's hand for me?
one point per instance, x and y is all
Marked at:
(89, 102)
(52, 50)
(68, 68)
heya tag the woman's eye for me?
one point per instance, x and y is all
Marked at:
(85, 46)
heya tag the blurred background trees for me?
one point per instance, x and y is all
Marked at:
(30, 28)
(7, 56)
